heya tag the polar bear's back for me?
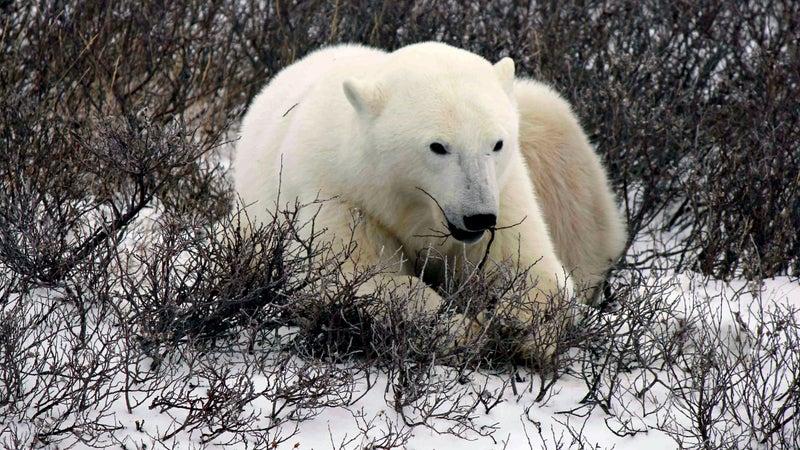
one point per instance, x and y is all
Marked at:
(257, 163)
(570, 182)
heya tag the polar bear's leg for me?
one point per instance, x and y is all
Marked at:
(522, 238)
(376, 248)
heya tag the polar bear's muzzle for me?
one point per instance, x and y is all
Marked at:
(475, 224)
(467, 237)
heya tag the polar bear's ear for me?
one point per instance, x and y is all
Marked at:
(366, 98)
(505, 73)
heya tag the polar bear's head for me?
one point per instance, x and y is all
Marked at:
(438, 127)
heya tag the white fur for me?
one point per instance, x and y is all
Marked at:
(572, 189)
(354, 125)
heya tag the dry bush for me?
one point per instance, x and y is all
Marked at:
(689, 103)
(123, 279)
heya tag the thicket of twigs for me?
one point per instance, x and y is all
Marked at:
(119, 292)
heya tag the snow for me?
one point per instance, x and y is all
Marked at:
(518, 420)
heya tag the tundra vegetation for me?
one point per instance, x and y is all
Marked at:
(119, 293)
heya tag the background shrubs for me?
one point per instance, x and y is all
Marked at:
(116, 125)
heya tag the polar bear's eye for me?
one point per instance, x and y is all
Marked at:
(498, 146)
(438, 148)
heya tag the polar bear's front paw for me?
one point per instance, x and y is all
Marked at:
(464, 331)
(547, 339)
(467, 338)
(541, 340)
(538, 353)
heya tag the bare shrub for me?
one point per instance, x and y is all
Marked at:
(688, 104)
(711, 371)
(205, 280)
(250, 396)
(123, 280)
(58, 378)
(734, 384)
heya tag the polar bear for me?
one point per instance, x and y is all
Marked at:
(431, 141)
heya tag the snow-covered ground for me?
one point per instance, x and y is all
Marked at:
(517, 421)
(651, 407)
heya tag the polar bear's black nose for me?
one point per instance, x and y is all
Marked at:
(480, 222)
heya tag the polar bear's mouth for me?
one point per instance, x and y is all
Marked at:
(465, 236)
